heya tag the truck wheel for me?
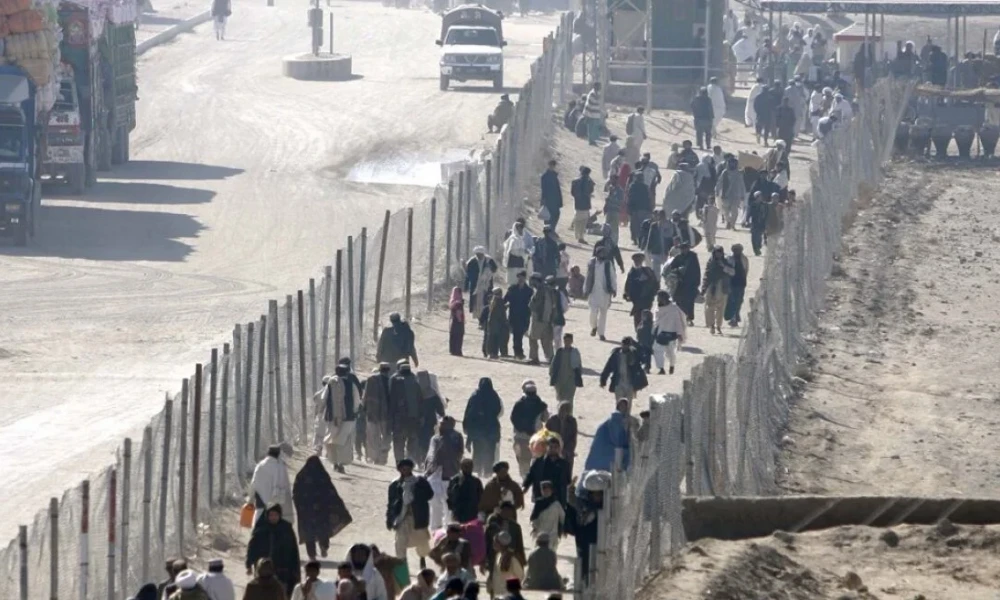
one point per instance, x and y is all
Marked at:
(498, 82)
(117, 149)
(444, 83)
(104, 150)
(77, 179)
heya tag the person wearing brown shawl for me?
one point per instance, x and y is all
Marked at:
(392, 570)
(496, 326)
(265, 585)
(320, 511)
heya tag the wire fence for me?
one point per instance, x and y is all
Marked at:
(720, 437)
(113, 532)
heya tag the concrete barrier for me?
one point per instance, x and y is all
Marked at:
(173, 31)
(737, 518)
(324, 67)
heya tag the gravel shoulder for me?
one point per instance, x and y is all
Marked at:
(900, 399)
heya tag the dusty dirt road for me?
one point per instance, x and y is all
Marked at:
(903, 398)
(236, 193)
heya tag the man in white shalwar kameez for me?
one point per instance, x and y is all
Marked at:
(335, 417)
(270, 483)
(718, 103)
(799, 102)
(600, 287)
(750, 114)
(517, 250)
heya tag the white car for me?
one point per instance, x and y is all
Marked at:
(471, 47)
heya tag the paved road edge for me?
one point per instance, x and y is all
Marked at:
(171, 32)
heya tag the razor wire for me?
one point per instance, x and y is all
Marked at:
(721, 436)
(257, 390)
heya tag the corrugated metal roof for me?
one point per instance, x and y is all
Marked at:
(888, 7)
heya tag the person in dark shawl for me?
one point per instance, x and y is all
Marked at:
(481, 423)
(465, 492)
(431, 409)
(320, 511)
(397, 342)
(273, 538)
(456, 328)
(518, 300)
(686, 267)
(496, 327)
(542, 572)
(641, 286)
(265, 585)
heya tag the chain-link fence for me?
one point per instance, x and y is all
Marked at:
(721, 436)
(104, 538)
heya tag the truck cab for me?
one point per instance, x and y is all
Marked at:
(471, 45)
(20, 193)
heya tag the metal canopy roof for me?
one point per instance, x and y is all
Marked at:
(888, 7)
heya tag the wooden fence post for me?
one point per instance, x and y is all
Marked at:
(227, 357)
(164, 491)
(458, 216)
(147, 500)
(324, 344)
(259, 401)
(338, 300)
(54, 548)
(182, 466)
(84, 542)
(302, 357)
(449, 209)
(378, 281)
(430, 255)
(290, 356)
(409, 260)
(351, 317)
(248, 391)
(362, 281)
(314, 380)
(196, 444)
(112, 506)
(238, 439)
(126, 510)
(213, 390)
(22, 544)
(279, 415)
(488, 236)
(468, 210)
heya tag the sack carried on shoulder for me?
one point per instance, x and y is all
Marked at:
(246, 515)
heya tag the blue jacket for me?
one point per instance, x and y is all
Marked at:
(610, 435)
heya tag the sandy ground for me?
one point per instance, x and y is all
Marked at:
(847, 563)
(165, 14)
(901, 400)
(364, 486)
(235, 195)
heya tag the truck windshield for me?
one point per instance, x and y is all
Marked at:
(471, 37)
(10, 142)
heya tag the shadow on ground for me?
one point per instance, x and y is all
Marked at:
(91, 233)
(166, 169)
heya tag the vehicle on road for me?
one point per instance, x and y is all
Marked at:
(471, 45)
(64, 142)
(20, 188)
(98, 91)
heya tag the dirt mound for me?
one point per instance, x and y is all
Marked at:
(925, 561)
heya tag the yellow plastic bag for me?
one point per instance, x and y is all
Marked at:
(540, 441)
